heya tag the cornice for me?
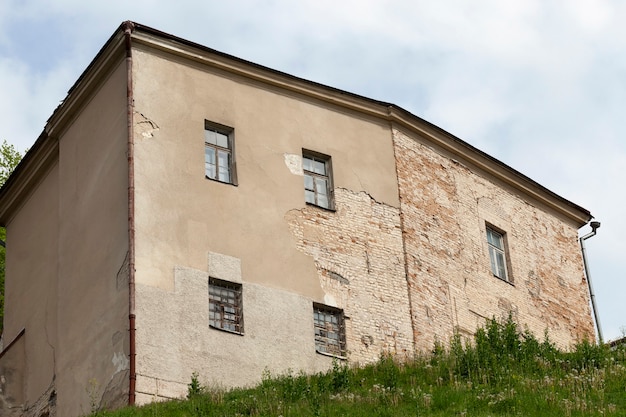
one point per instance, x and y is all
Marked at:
(27, 175)
(109, 56)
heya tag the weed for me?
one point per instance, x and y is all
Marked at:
(194, 388)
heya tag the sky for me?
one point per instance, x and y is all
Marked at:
(538, 84)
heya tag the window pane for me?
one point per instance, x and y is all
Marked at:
(210, 137)
(209, 162)
(222, 140)
(224, 166)
(209, 155)
(322, 201)
(494, 238)
(500, 263)
(309, 196)
(307, 164)
(209, 170)
(319, 167)
(492, 258)
(320, 186)
(308, 182)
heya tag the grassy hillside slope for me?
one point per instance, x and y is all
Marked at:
(502, 372)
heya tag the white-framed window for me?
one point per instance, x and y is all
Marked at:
(225, 306)
(497, 253)
(317, 179)
(219, 161)
(330, 333)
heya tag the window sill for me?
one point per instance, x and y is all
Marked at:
(330, 355)
(504, 280)
(226, 330)
(331, 210)
(221, 182)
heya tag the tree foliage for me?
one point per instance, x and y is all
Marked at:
(9, 158)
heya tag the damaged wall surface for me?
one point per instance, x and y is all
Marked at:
(446, 207)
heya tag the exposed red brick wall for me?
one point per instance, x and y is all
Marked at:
(444, 208)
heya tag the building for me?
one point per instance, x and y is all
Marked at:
(187, 211)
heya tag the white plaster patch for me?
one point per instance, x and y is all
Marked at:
(294, 163)
(329, 300)
(120, 361)
(224, 267)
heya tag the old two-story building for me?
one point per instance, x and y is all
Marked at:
(188, 211)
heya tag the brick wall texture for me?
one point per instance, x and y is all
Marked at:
(445, 209)
(409, 276)
(360, 262)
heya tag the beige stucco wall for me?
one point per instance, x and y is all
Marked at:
(92, 350)
(445, 207)
(181, 216)
(31, 291)
(65, 279)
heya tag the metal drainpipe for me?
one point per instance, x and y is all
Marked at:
(128, 29)
(594, 227)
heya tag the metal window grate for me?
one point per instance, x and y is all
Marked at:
(225, 306)
(329, 331)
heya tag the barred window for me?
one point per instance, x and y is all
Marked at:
(330, 336)
(225, 306)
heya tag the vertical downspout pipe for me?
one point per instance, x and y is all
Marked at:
(128, 30)
(594, 227)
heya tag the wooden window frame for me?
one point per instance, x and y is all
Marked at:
(229, 132)
(502, 272)
(312, 190)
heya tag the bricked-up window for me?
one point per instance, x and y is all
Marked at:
(497, 253)
(317, 179)
(330, 335)
(219, 162)
(225, 306)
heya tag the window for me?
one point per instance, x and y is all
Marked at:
(497, 253)
(225, 307)
(330, 336)
(218, 153)
(317, 179)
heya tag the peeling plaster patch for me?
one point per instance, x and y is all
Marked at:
(224, 267)
(294, 163)
(120, 361)
(144, 126)
(330, 300)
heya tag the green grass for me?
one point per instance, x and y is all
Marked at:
(503, 372)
